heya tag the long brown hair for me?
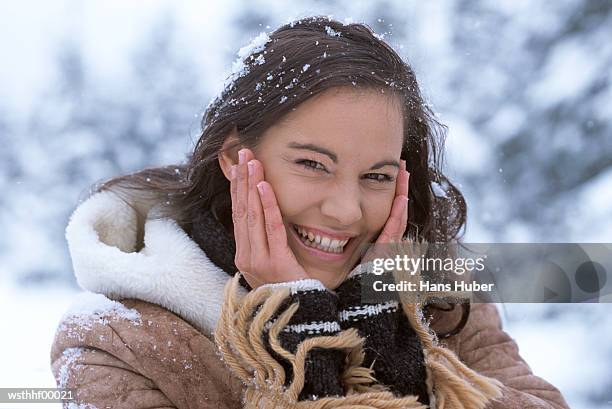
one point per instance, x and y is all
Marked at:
(295, 62)
(273, 82)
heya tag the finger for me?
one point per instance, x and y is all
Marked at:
(394, 228)
(233, 185)
(275, 229)
(401, 185)
(404, 221)
(235, 207)
(239, 210)
(255, 215)
(402, 188)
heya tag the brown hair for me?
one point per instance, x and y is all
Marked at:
(295, 62)
(273, 82)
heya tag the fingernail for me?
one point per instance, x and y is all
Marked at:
(251, 167)
(260, 187)
(241, 157)
(408, 180)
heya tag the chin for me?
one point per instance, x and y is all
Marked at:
(327, 278)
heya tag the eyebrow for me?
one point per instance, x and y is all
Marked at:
(334, 157)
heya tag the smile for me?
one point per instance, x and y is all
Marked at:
(319, 241)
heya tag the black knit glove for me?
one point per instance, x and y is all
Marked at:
(317, 315)
(391, 344)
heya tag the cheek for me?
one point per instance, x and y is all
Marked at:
(290, 196)
(378, 209)
(286, 193)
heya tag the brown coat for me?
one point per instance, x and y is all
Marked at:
(161, 361)
(155, 349)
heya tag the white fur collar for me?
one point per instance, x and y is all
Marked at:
(171, 270)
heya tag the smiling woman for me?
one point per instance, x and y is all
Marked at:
(318, 146)
(333, 164)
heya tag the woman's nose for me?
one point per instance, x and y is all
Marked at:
(343, 205)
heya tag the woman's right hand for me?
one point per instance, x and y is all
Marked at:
(263, 255)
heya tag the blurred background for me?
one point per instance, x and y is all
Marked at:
(89, 90)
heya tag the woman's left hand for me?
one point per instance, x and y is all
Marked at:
(394, 228)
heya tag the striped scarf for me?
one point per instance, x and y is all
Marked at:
(392, 348)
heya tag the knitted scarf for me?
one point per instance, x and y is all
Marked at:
(387, 342)
(218, 244)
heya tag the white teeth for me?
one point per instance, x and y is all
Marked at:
(322, 243)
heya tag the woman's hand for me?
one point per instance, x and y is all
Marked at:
(398, 218)
(394, 228)
(262, 253)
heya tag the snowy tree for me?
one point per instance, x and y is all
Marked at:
(80, 133)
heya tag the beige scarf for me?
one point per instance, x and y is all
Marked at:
(239, 337)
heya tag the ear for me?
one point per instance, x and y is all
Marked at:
(228, 155)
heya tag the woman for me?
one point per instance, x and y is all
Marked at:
(304, 159)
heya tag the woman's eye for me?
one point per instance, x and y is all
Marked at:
(311, 164)
(379, 177)
(314, 165)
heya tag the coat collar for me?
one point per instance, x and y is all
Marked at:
(119, 253)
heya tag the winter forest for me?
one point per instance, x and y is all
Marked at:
(90, 90)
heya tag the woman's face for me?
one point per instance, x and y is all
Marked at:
(332, 163)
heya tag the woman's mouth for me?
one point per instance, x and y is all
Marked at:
(320, 242)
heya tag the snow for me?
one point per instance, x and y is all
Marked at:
(569, 71)
(507, 121)
(72, 405)
(29, 318)
(257, 45)
(465, 150)
(439, 190)
(239, 68)
(89, 308)
(588, 355)
(536, 104)
(71, 355)
(593, 208)
(331, 32)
